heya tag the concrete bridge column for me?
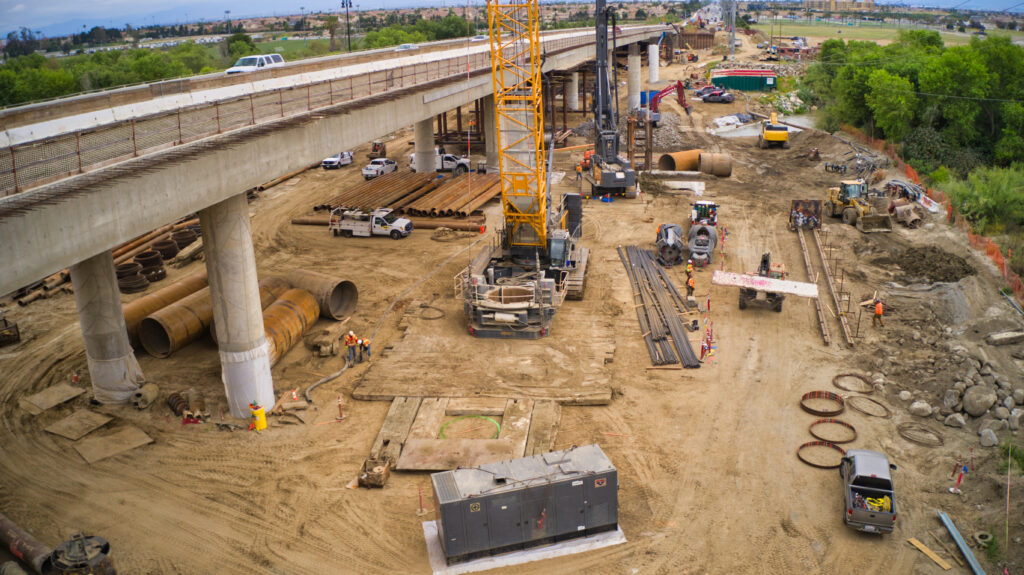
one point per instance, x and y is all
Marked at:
(112, 367)
(652, 62)
(231, 268)
(633, 77)
(424, 148)
(573, 93)
(490, 129)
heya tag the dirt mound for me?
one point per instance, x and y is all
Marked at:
(932, 264)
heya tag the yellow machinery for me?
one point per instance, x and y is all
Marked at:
(850, 201)
(514, 287)
(773, 133)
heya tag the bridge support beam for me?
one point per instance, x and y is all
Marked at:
(424, 148)
(633, 76)
(653, 56)
(235, 294)
(114, 372)
(573, 93)
(490, 130)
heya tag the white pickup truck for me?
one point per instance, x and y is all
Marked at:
(457, 165)
(381, 222)
(379, 167)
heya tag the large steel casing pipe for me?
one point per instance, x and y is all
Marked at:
(135, 311)
(336, 297)
(24, 546)
(687, 161)
(287, 319)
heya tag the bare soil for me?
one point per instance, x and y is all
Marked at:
(709, 479)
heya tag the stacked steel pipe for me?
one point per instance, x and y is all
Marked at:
(459, 196)
(389, 189)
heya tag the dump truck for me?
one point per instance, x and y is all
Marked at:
(773, 133)
(380, 222)
(850, 201)
(868, 501)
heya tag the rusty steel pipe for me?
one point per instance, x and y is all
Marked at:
(687, 161)
(24, 546)
(135, 311)
(716, 164)
(271, 288)
(171, 328)
(336, 297)
(287, 319)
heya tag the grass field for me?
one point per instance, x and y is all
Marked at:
(881, 33)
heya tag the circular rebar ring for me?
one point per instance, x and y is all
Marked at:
(836, 381)
(828, 444)
(827, 395)
(837, 422)
(916, 433)
(497, 425)
(858, 402)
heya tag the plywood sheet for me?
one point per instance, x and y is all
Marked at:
(476, 406)
(79, 424)
(429, 418)
(93, 449)
(543, 427)
(515, 424)
(395, 429)
(54, 395)
(443, 454)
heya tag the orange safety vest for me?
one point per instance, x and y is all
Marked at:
(878, 308)
(350, 340)
(690, 282)
(366, 343)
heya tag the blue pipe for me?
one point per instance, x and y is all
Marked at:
(971, 560)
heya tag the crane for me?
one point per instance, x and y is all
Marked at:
(514, 286)
(609, 172)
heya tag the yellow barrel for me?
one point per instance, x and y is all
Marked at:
(687, 161)
(259, 418)
(716, 164)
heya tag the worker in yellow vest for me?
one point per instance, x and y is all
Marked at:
(689, 267)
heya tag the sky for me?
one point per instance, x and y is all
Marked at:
(59, 17)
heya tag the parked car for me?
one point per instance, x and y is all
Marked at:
(478, 38)
(704, 90)
(336, 161)
(379, 167)
(254, 63)
(405, 47)
(719, 96)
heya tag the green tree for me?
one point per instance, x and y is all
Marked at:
(892, 102)
(957, 79)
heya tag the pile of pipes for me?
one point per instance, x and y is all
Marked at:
(459, 196)
(658, 307)
(168, 319)
(424, 195)
(393, 190)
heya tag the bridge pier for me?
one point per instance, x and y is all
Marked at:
(424, 148)
(633, 76)
(114, 372)
(653, 56)
(573, 93)
(235, 294)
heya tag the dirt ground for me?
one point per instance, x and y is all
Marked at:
(709, 482)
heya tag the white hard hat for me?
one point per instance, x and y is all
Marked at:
(352, 333)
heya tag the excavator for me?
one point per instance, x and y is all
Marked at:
(773, 133)
(850, 201)
(680, 91)
(514, 286)
(609, 173)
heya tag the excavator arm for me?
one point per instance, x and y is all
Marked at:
(680, 91)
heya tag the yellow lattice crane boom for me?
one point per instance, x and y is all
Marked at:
(516, 72)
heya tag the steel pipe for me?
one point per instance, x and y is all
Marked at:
(715, 164)
(287, 319)
(271, 288)
(135, 311)
(24, 546)
(336, 297)
(171, 328)
(680, 161)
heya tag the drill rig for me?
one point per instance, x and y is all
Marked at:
(610, 173)
(515, 285)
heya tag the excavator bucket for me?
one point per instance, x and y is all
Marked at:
(869, 223)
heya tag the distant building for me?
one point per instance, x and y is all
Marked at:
(840, 5)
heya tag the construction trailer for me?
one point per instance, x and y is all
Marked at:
(746, 80)
(511, 505)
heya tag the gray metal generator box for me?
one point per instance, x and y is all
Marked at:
(535, 500)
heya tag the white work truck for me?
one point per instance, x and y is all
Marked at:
(379, 167)
(457, 165)
(381, 222)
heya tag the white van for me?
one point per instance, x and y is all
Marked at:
(257, 62)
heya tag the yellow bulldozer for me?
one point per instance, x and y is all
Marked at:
(773, 133)
(850, 201)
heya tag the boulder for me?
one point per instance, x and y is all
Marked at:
(988, 438)
(1015, 419)
(1005, 337)
(950, 398)
(978, 399)
(960, 386)
(993, 424)
(1000, 412)
(1009, 403)
(920, 409)
(905, 395)
(1018, 396)
(955, 420)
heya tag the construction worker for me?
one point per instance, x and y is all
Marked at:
(689, 268)
(351, 341)
(690, 285)
(364, 348)
(579, 172)
(877, 319)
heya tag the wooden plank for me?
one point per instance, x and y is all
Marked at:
(429, 418)
(476, 406)
(543, 427)
(931, 554)
(802, 289)
(515, 424)
(54, 395)
(79, 424)
(395, 429)
(442, 454)
(94, 449)
(942, 544)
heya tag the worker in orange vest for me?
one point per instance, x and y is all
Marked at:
(364, 348)
(877, 319)
(579, 172)
(690, 284)
(351, 341)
